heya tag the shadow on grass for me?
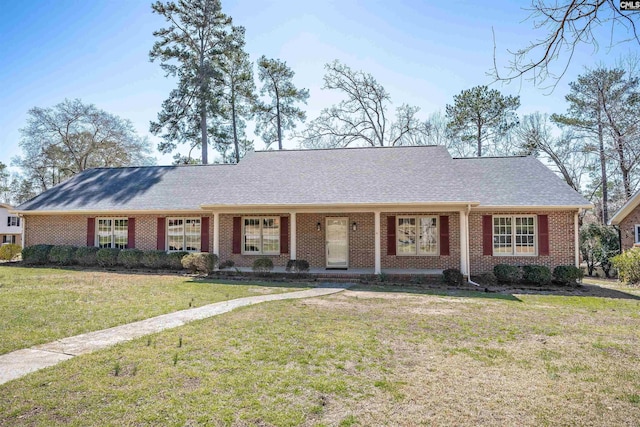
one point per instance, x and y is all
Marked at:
(460, 293)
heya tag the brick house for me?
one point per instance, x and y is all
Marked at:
(10, 226)
(375, 209)
(627, 219)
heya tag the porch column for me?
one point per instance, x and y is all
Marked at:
(293, 233)
(376, 226)
(464, 260)
(216, 233)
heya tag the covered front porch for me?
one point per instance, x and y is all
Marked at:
(352, 271)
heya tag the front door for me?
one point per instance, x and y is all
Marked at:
(337, 250)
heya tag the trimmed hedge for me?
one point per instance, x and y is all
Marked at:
(201, 262)
(262, 265)
(538, 274)
(174, 260)
(628, 265)
(107, 257)
(86, 256)
(9, 251)
(62, 255)
(487, 279)
(568, 274)
(227, 264)
(154, 259)
(130, 258)
(297, 266)
(506, 273)
(453, 276)
(36, 254)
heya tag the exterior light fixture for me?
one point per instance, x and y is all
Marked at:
(354, 226)
(318, 226)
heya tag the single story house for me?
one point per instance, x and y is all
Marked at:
(627, 219)
(10, 226)
(374, 209)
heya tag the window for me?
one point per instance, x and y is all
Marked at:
(113, 232)
(637, 228)
(514, 235)
(13, 221)
(183, 234)
(417, 235)
(261, 235)
(9, 238)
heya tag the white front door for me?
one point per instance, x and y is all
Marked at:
(337, 248)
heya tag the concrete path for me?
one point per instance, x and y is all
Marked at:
(21, 362)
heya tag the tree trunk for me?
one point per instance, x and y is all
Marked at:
(203, 130)
(279, 124)
(234, 124)
(603, 171)
(479, 139)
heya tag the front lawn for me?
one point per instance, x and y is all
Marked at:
(367, 356)
(39, 305)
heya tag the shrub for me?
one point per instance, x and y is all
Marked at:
(202, 262)
(227, 264)
(538, 274)
(568, 274)
(506, 273)
(297, 266)
(130, 258)
(174, 260)
(9, 251)
(262, 265)
(627, 264)
(107, 257)
(36, 254)
(154, 259)
(487, 279)
(453, 276)
(63, 254)
(86, 255)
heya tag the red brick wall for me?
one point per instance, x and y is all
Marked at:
(627, 228)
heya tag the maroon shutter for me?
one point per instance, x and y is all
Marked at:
(444, 235)
(204, 234)
(131, 233)
(391, 235)
(284, 235)
(487, 235)
(237, 235)
(543, 235)
(161, 244)
(91, 231)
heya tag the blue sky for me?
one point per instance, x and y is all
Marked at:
(422, 52)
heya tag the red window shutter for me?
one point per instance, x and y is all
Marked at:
(161, 244)
(284, 235)
(444, 235)
(391, 235)
(91, 231)
(487, 235)
(131, 233)
(237, 235)
(204, 234)
(543, 235)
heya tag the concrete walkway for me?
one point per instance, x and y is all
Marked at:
(21, 362)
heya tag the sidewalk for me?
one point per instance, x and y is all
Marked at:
(21, 362)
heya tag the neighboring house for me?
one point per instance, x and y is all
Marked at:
(410, 208)
(628, 221)
(10, 226)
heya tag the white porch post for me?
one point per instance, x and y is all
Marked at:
(216, 233)
(376, 226)
(293, 233)
(464, 263)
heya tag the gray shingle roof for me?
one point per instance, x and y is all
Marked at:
(315, 177)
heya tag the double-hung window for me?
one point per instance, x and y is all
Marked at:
(417, 235)
(183, 234)
(113, 232)
(13, 221)
(514, 235)
(261, 235)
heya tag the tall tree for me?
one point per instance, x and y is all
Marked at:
(70, 137)
(363, 116)
(5, 188)
(190, 49)
(279, 114)
(479, 115)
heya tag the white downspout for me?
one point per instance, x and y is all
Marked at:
(466, 230)
(576, 237)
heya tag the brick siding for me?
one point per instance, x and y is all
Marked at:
(628, 228)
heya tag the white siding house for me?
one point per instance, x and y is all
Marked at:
(10, 226)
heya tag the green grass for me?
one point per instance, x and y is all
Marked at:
(361, 358)
(39, 305)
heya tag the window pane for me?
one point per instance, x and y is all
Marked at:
(105, 234)
(525, 235)
(120, 233)
(406, 238)
(192, 234)
(428, 239)
(271, 235)
(252, 235)
(502, 233)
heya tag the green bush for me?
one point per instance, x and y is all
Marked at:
(130, 258)
(538, 274)
(568, 274)
(262, 265)
(174, 260)
(86, 256)
(297, 266)
(154, 259)
(9, 251)
(227, 264)
(487, 279)
(201, 262)
(107, 257)
(62, 255)
(506, 273)
(453, 276)
(36, 254)
(627, 264)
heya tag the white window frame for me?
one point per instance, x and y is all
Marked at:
(13, 221)
(184, 233)
(417, 221)
(9, 239)
(261, 220)
(112, 233)
(637, 234)
(514, 251)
